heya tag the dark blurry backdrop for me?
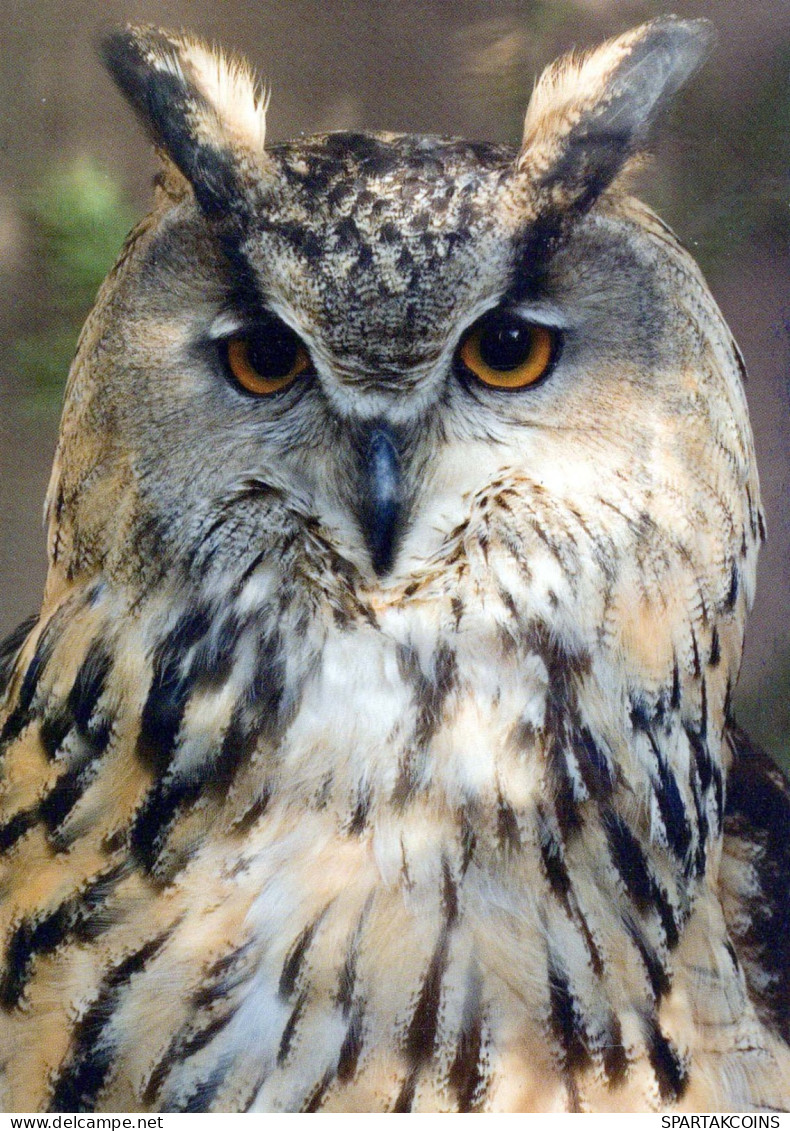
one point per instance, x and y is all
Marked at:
(75, 171)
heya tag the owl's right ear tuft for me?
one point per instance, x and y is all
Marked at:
(590, 115)
(205, 111)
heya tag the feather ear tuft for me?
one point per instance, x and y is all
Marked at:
(205, 110)
(232, 90)
(590, 114)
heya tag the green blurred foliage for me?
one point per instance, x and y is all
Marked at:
(78, 219)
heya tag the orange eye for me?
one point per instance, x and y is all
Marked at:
(505, 352)
(267, 359)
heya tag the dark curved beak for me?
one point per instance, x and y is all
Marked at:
(381, 495)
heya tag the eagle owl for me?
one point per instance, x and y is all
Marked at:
(373, 747)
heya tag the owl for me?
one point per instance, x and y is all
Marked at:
(373, 748)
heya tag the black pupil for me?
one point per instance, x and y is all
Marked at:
(273, 350)
(505, 343)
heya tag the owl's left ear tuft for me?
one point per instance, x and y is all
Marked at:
(589, 116)
(203, 109)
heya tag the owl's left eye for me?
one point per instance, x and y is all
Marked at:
(505, 351)
(267, 359)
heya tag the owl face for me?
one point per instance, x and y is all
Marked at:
(360, 273)
(352, 343)
(376, 302)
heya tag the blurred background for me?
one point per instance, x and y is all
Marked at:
(75, 173)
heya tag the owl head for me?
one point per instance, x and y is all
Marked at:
(379, 354)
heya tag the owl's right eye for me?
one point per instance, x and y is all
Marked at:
(267, 359)
(505, 351)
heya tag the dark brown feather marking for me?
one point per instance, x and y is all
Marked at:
(673, 811)
(696, 664)
(16, 827)
(430, 693)
(732, 593)
(449, 893)
(665, 787)
(708, 772)
(405, 1099)
(257, 715)
(457, 609)
(222, 976)
(671, 1072)
(714, 656)
(359, 816)
(569, 817)
(56, 805)
(553, 864)
(466, 1076)
(23, 712)
(421, 1034)
(758, 812)
(9, 650)
(169, 691)
(562, 726)
(202, 1095)
(85, 694)
(202, 1037)
(184, 1044)
(56, 724)
(154, 819)
(468, 840)
(566, 1019)
(316, 1097)
(295, 958)
(632, 867)
(596, 962)
(80, 917)
(348, 971)
(508, 833)
(594, 765)
(161, 1070)
(81, 1076)
(615, 1059)
(250, 818)
(351, 1047)
(347, 980)
(656, 970)
(290, 1028)
(560, 884)
(674, 699)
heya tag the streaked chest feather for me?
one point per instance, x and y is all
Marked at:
(429, 855)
